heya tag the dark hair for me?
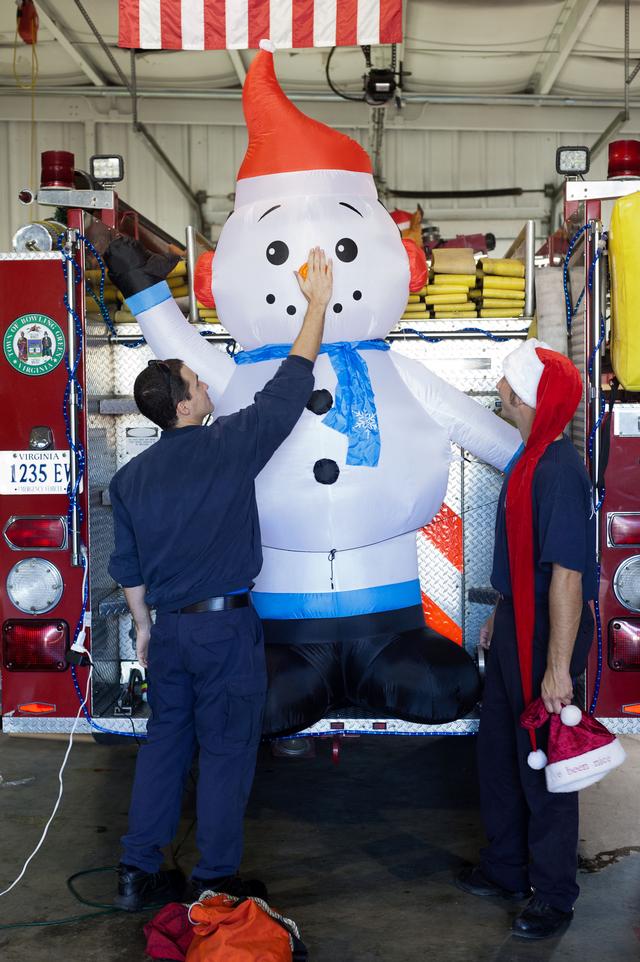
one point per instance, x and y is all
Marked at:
(158, 389)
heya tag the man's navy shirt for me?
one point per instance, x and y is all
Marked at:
(184, 511)
(564, 524)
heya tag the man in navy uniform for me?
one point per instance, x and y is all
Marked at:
(539, 638)
(187, 542)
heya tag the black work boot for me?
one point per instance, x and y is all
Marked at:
(138, 889)
(539, 920)
(230, 885)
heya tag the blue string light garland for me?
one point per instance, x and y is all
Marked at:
(570, 309)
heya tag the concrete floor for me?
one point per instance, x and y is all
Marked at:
(361, 855)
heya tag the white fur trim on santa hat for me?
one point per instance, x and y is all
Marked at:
(537, 760)
(272, 188)
(572, 774)
(571, 715)
(523, 370)
(268, 45)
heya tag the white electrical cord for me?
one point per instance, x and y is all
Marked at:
(78, 644)
(59, 798)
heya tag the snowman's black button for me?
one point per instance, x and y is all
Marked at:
(326, 471)
(320, 402)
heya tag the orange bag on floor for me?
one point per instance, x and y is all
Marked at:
(229, 929)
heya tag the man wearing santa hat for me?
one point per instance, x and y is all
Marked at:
(539, 638)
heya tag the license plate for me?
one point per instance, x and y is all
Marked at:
(34, 472)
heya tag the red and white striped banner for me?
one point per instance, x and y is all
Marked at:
(242, 24)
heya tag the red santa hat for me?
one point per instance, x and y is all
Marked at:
(557, 388)
(284, 142)
(402, 218)
(580, 750)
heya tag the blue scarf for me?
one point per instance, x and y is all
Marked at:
(354, 411)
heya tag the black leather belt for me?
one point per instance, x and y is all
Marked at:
(221, 603)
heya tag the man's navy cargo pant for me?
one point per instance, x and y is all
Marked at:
(532, 833)
(207, 685)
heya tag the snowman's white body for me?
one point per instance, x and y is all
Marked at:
(346, 547)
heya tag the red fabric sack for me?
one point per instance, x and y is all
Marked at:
(229, 929)
(169, 933)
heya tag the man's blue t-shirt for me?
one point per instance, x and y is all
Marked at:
(564, 522)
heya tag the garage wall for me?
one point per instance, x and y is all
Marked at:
(430, 147)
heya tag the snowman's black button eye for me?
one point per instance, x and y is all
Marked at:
(277, 252)
(346, 250)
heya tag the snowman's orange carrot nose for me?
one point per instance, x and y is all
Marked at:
(302, 271)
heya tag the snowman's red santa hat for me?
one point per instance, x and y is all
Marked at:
(580, 750)
(290, 153)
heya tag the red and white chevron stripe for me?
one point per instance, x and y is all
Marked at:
(441, 556)
(242, 24)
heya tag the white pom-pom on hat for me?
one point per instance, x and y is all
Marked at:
(537, 760)
(268, 45)
(571, 715)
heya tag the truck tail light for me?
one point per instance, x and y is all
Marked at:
(626, 583)
(26, 533)
(37, 708)
(624, 644)
(34, 645)
(624, 529)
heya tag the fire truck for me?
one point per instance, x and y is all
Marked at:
(71, 355)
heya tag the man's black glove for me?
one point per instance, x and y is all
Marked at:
(132, 268)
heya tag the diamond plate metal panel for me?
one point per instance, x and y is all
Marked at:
(470, 364)
(440, 581)
(99, 363)
(481, 485)
(360, 726)
(101, 547)
(64, 725)
(128, 362)
(392, 726)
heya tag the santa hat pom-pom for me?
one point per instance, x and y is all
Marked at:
(268, 45)
(537, 760)
(571, 715)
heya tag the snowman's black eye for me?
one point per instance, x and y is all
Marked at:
(277, 252)
(346, 250)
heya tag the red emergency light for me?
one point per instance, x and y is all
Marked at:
(624, 159)
(624, 529)
(27, 533)
(34, 645)
(57, 168)
(624, 644)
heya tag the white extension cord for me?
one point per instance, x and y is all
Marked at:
(60, 792)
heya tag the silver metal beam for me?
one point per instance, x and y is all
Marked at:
(238, 66)
(301, 96)
(161, 156)
(573, 19)
(60, 32)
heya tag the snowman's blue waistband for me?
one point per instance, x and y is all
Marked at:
(337, 604)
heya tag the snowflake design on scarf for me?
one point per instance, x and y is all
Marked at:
(365, 422)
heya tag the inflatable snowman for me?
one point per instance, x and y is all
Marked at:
(368, 462)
